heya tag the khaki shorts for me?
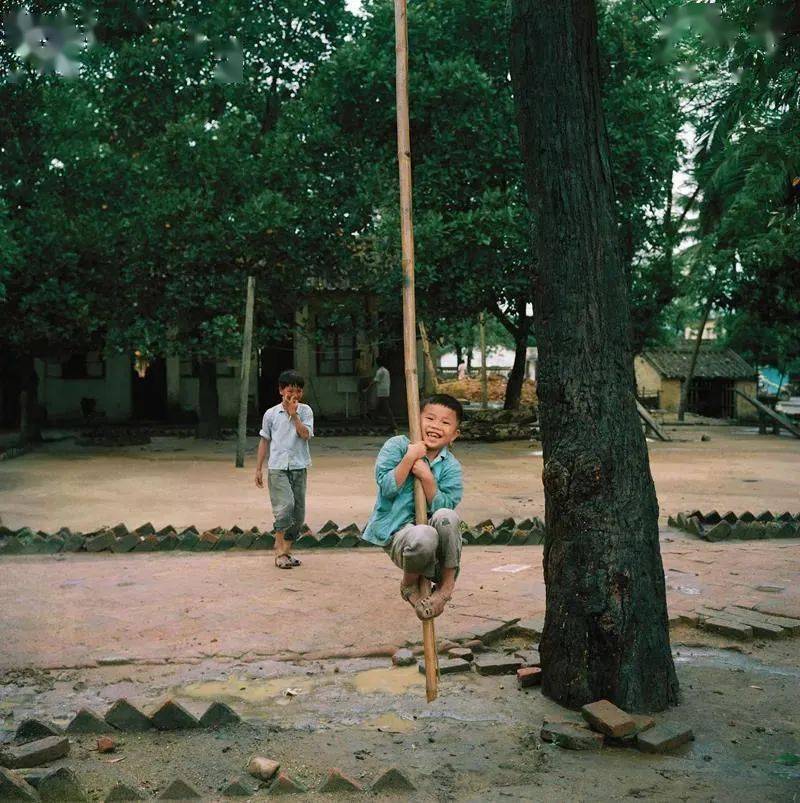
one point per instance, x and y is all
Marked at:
(426, 549)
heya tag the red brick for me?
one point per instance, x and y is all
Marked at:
(105, 744)
(606, 718)
(529, 676)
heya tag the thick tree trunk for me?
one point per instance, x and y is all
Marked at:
(208, 414)
(605, 632)
(517, 375)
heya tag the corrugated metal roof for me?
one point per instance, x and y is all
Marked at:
(712, 363)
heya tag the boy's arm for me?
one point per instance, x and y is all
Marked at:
(263, 447)
(386, 464)
(263, 453)
(414, 452)
(450, 488)
(302, 418)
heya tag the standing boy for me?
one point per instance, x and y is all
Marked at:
(285, 432)
(425, 552)
(383, 385)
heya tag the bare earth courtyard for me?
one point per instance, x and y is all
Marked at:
(82, 631)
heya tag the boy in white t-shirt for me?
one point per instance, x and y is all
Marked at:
(383, 384)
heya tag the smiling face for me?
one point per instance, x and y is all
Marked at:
(291, 393)
(439, 426)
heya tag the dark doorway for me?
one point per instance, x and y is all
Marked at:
(10, 388)
(711, 397)
(272, 361)
(149, 393)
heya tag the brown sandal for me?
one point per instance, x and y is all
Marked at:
(283, 562)
(429, 608)
(406, 592)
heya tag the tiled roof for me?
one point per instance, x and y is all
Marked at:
(712, 363)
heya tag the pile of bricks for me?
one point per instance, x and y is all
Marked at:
(741, 623)
(602, 723)
(742, 527)
(147, 539)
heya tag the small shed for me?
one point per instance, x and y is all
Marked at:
(661, 372)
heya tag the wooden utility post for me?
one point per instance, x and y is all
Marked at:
(484, 377)
(244, 387)
(409, 307)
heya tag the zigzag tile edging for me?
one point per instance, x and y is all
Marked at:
(746, 526)
(119, 539)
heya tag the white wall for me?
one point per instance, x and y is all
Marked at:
(62, 397)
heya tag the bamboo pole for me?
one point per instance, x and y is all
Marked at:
(430, 368)
(409, 308)
(244, 386)
(484, 377)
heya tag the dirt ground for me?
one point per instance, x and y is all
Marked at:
(183, 481)
(83, 630)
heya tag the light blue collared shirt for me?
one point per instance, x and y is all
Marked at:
(394, 507)
(287, 450)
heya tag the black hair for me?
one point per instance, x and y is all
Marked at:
(446, 400)
(291, 378)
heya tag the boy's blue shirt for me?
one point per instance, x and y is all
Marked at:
(394, 507)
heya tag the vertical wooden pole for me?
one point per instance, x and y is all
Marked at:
(244, 387)
(484, 377)
(430, 368)
(409, 308)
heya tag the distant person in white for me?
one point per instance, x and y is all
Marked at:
(462, 371)
(383, 384)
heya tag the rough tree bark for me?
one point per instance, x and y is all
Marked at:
(208, 408)
(606, 632)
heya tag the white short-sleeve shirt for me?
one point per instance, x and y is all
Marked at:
(383, 382)
(287, 450)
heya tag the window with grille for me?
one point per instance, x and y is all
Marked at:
(336, 351)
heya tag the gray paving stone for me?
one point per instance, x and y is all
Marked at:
(532, 627)
(173, 716)
(30, 730)
(241, 787)
(125, 543)
(493, 663)
(87, 721)
(60, 785)
(122, 792)
(218, 715)
(127, 717)
(392, 780)
(448, 666)
(337, 783)
(34, 754)
(14, 787)
(100, 542)
(664, 738)
(404, 657)
(571, 737)
(284, 784)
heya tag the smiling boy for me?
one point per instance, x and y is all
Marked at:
(285, 432)
(425, 552)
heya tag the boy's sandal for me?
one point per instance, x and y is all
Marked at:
(424, 608)
(294, 560)
(406, 592)
(283, 562)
